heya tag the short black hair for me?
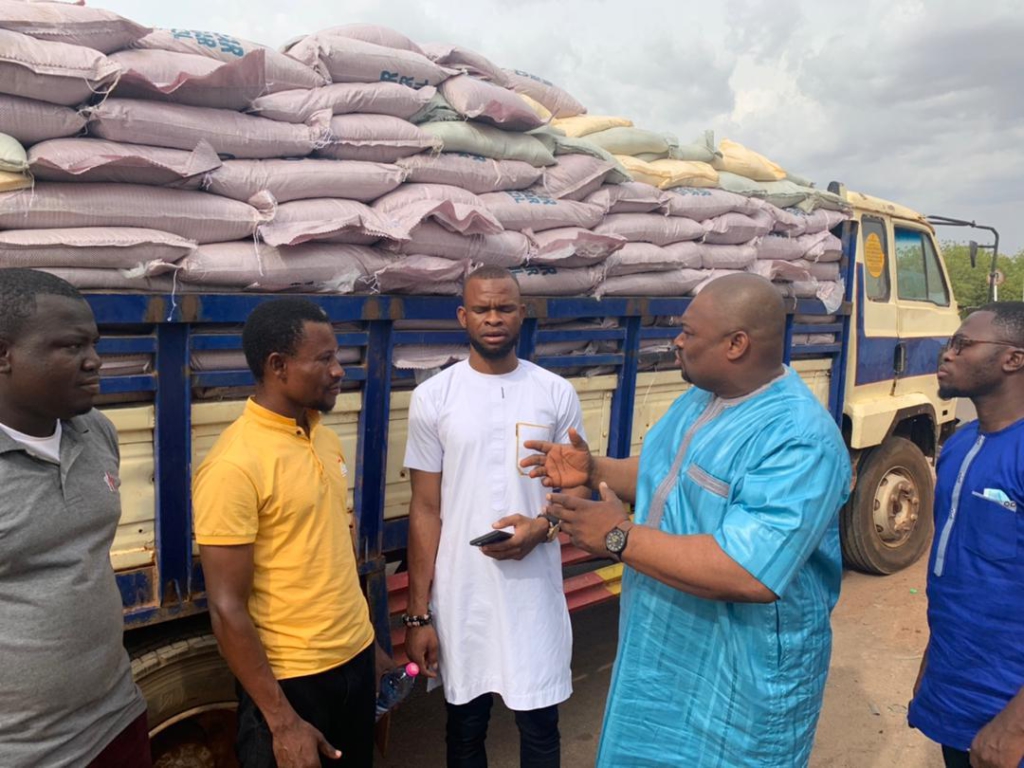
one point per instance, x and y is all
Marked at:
(19, 289)
(489, 272)
(1009, 319)
(276, 326)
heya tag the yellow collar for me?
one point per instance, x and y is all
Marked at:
(276, 421)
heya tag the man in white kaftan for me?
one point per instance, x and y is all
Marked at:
(495, 619)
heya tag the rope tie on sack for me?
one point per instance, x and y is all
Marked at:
(174, 297)
(256, 250)
(99, 90)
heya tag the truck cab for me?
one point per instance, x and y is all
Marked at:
(893, 418)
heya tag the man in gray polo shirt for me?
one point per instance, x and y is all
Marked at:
(66, 692)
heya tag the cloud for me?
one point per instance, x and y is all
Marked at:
(763, 30)
(932, 117)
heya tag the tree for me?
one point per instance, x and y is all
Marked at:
(970, 285)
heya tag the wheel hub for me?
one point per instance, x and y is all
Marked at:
(200, 738)
(896, 507)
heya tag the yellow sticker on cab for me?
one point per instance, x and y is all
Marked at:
(874, 255)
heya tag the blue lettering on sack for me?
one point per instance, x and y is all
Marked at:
(230, 45)
(397, 77)
(213, 40)
(533, 77)
(531, 198)
(207, 39)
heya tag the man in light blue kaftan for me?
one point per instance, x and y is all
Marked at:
(734, 558)
(732, 683)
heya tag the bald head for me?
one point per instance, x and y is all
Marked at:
(733, 336)
(751, 304)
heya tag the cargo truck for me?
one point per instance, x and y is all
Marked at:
(871, 363)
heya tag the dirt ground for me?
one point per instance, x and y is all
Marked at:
(880, 633)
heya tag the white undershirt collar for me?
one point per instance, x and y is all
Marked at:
(46, 448)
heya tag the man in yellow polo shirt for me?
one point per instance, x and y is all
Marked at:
(270, 518)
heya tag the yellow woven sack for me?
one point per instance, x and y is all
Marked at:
(666, 174)
(583, 125)
(12, 181)
(746, 162)
(542, 112)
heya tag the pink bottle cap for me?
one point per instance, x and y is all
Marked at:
(412, 669)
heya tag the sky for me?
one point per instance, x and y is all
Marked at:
(917, 102)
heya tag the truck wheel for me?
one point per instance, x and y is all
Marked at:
(191, 697)
(887, 524)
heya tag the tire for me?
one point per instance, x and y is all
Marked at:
(887, 524)
(190, 693)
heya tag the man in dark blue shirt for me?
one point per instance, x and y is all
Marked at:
(969, 694)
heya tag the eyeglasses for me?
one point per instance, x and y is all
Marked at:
(957, 343)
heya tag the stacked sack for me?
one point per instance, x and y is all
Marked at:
(149, 144)
(674, 244)
(356, 160)
(13, 165)
(485, 120)
(54, 58)
(380, 205)
(188, 90)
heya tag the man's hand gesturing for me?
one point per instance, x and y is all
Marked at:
(560, 465)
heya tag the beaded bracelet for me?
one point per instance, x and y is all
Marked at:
(417, 621)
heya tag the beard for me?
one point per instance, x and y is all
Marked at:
(969, 389)
(976, 381)
(682, 368)
(325, 405)
(495, 353)
(949, 391)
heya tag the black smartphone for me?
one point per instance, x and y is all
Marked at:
(490, 538)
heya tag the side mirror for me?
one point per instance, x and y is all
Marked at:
(974, 253)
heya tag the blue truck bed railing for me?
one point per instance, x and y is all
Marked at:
(171, 328)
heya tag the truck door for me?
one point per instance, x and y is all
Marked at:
(926, 315)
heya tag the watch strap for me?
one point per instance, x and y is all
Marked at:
(554, 526)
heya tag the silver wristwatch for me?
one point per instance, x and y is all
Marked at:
(616, 539)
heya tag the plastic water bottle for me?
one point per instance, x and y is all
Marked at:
(395, 687)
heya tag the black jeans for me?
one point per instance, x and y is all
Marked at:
(340, 703)
(539, 740)
(954, 758)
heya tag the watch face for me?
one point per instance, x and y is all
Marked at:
(615, 541)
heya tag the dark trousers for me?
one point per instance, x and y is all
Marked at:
(955, 758)
(129, 749)
(539, 740)
(340, 703)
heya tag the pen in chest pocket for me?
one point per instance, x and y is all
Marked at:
(525, 432)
